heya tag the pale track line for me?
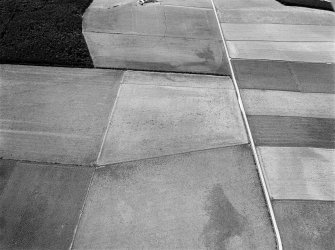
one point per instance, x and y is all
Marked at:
(252, 143)
(110, 118)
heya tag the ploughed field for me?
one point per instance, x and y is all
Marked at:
(43, 32)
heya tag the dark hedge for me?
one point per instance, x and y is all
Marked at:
(315, 4)
(43, 32)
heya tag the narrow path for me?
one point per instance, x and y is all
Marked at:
(284, 67)
(251, 139)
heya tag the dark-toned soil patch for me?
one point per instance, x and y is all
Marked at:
(315, 4)
(43, 32)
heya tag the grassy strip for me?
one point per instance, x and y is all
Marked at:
(43, 32)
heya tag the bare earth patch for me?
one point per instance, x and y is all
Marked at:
(43, 32)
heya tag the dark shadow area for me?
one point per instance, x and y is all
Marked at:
(43, 32)
(225, 222)
(315, 4)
